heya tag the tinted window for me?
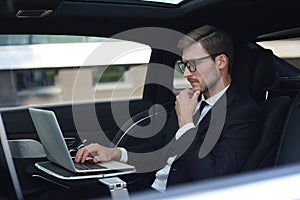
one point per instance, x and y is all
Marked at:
(47, 69)
(288, 50)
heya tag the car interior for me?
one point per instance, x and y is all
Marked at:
(273, 82)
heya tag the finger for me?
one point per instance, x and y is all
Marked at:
(196, 95)
(177, 104)
(79, 154)
(190, 91)
(187, 92)
(84, 156)
(96, 159)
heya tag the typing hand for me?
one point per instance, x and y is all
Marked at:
(98, 153)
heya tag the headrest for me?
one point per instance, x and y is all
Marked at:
(254, 70)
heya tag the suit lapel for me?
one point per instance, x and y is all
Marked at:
(213, 123)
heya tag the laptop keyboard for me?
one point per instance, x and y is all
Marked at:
(88, 165)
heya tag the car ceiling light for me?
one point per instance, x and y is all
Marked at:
(32, 13)
(166, 1)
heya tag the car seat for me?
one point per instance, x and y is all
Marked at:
(254, 70)
(288, 151)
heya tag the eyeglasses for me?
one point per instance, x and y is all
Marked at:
(180, 65)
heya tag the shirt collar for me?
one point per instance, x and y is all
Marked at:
(213, 99)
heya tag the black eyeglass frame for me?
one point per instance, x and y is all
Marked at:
(192, 64)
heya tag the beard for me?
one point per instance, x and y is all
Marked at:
(205, 84)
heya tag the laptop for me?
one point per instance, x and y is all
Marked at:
(56, 149)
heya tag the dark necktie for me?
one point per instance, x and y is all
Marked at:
(198, 112)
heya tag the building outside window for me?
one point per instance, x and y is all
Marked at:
(50, 69)
(35, 78)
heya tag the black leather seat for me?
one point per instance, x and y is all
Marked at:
(289, 148)
(274, 114)
(254, 70)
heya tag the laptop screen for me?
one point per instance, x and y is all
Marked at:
(10, 186)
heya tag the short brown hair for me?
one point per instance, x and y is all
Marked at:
(212, 39)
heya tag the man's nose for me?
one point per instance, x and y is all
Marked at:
(187, 73)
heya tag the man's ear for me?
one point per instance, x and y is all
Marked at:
(222, 61)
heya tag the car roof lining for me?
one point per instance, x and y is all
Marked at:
(244, 19)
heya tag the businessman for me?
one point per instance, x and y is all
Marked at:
(214, 127)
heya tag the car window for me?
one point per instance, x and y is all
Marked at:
(179, 81)
(54, 69)
(287, 49)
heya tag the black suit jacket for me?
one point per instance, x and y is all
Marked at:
(232, 128)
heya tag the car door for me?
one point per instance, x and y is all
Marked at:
(93, 102)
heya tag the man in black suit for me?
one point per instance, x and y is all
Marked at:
(214, 127)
